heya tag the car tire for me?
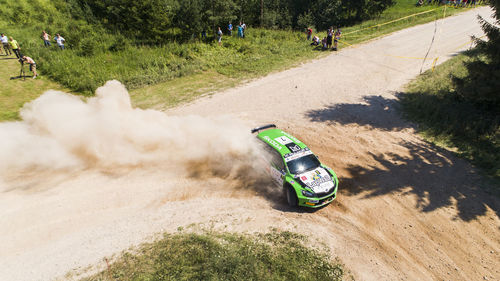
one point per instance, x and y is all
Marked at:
(291, 196)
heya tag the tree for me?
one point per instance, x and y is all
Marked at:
(150, 21)
(160, 21)
(189, 18)
(219, 13)
(482, 84)
(326, 13)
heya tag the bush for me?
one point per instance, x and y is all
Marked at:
(119, 44)
(88, 48)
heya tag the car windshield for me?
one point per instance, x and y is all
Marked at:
(303, 164)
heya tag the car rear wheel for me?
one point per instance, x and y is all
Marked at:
(291, 196)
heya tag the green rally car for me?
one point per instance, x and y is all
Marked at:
(305, 181)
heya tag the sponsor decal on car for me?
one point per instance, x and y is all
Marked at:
(292, 156)
(316, 175)
(293, 147)
(274, 143)
(295, 140)
(317, 180)
(284, 140)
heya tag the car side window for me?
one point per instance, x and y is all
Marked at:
(278, 161)
(275, 157)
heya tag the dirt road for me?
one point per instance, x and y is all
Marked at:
(406, 210)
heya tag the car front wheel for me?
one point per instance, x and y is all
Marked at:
(291, 196)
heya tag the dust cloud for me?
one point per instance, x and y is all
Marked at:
(60, 131)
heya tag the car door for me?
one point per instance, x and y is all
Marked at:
(277, 168)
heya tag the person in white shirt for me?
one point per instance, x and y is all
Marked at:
(60, 41)
(244, 26)
(219, 36)
(6, 45)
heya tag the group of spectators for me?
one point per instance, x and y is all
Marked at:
(332, 35)
(241, 31)
(12, 46)
(59, 40)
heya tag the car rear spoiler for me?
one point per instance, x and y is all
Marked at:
(263, 128)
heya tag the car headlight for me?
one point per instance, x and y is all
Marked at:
(308, 193)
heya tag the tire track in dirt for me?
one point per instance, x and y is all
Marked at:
(405, 209)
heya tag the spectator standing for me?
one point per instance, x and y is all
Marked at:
(309, 33)
(219, 36)
(203, 34)
(329, 36)
(60, 41)
(337, 35)
(244, 26)
(46, 39)
(240, 31)
(5, 43)
(230, 29)
(15, 47)
(32, 64)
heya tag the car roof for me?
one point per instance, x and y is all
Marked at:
(281, 141)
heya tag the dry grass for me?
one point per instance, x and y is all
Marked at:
(181, 90)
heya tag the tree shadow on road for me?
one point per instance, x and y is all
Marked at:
(377, 112)
(437, 181)
(435, 176)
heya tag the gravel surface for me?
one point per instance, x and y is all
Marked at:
(405, 210)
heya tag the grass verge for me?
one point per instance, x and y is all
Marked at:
(162, 95)
(16, 91)
(451, 122)
(164, 76)
(224, 256)
(401, 10)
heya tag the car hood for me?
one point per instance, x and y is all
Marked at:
(318, 180)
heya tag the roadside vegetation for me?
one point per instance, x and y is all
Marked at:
(395, 18)
(15, 92)
(169, 72)
(458, 105)
(224, 256)
(447, 120)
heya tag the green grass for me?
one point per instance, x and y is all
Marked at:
(164, 76)
(14, 93)
(401, 9)
(297, 50)
(451, 122)
(224, 256)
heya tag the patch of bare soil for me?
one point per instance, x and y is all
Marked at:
(405, 209)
